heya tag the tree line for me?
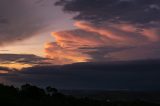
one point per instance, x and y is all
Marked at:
(30, 95)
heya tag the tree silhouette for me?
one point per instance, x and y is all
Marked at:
(29, 95)
(51, 91)
(30, 91)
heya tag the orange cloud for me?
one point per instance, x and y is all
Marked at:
(151, 34)
(105, 32)
(19, 61)
(121, 31)
(18, 66)
(77, 38)
(99, 42)
(63, 55)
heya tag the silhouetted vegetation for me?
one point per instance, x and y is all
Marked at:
(29, 95)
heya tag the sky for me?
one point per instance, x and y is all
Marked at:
(57, 33)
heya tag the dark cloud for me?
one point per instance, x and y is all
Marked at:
(21, 19)
(30, 59)
(5, 69)
(126, 29)
(15, 21)
(102, 54)
(4, 20)
(150, 51)
(132, 11)
(135, 75)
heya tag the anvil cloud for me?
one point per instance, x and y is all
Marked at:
(102, 42)
(108, 30)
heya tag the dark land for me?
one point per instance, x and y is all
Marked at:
(29, 95)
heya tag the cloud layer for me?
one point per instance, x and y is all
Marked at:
(132, 11)
(19, 61)
(104, 42)
(135, 75)
(108, 30)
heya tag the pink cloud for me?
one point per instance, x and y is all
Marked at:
(89, 41)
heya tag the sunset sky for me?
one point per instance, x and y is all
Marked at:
(45, 33)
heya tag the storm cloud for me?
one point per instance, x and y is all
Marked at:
(133, 75)
(108, 30)
(104, 42)
(132, 11)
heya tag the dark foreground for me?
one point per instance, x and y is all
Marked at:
(28, 95)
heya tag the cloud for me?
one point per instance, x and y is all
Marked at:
(3, 21)
(132, 11)
(23, 19)
(5, 69)
(108, 30)
(4, 50)
(90, 42)
(121, 32)
(133, 75)
(63, 55)
(19, 61)
(19, 58)
(15, 21)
